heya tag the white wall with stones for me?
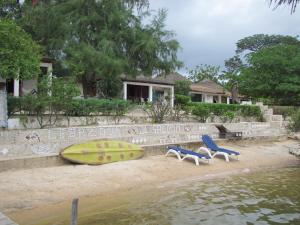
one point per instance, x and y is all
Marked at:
(44, 142)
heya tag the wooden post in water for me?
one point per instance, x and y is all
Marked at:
(74, 211)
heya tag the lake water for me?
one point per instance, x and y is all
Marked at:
(266, 197)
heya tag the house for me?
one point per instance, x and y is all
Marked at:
(147, 89)
(203, 91)
(18, 88)
(210, 92)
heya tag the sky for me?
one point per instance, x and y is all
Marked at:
(208, 30)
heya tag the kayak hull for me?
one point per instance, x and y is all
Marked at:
(101, 152)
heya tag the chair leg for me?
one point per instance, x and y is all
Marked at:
(226, 156)
(196, 159)
(174, 152)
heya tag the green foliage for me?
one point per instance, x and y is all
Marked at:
(259, 41)
(19, 54)
(204, 71)
(285, 111)
(54, 96)
(225, 111)
(181, 107)
(202, 112)
(182, 87)
(87, 107)
(32, 105)
(182, 100)
(273, 73)
(100, 40)
(109, 86)
(227, 116)
(13, 105)
(229, 78)
(294, 123)
(10, 9)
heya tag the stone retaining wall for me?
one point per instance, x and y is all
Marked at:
(45, 142)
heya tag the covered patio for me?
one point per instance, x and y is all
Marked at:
(143, 89)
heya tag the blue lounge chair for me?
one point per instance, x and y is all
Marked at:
(180, 152)
(209, 142)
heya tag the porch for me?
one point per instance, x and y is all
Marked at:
(16, 88)
(147, 92)
(209, 98)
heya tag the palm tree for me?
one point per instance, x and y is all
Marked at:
(292, 3)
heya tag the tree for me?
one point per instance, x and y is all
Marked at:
(273, 73)
(182, 87)
(292, 3)
(10, 9)
(256, 42)
(230, 77)
(19, 54)
(204, 71)
(100, 40)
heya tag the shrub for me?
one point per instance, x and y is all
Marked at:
(13, 105)
(182, 87)
(201, 112)
(218, 109)
(182, 100)
(158, 111)
(227, 116)
(86, 107)
(294, 123)
(285, 111)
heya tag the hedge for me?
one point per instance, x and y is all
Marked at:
(78, 107)
(182, 100)
(221, 110)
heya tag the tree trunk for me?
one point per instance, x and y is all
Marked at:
(84, 86)
(89, 86)
(235, 94)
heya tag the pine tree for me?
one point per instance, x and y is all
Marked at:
(100, 40)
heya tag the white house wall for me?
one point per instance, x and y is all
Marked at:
(28, 86)
(209, 99)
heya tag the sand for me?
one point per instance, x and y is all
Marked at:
(32, 188)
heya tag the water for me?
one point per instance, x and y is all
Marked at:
(265, 197)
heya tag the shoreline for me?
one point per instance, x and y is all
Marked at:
(105, 202)
(24, 191)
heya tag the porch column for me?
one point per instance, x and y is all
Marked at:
(204, 97)
(219, 98)
(150, 94)
(228, 100)
(172, 96)
(125, 91)
(16, 88)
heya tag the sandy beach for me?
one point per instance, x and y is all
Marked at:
(32, 188)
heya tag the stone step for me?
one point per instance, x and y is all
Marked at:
(268, 111)
(277, 118)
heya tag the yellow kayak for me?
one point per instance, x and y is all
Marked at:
(101, 152)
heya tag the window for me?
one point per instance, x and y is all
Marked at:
(196, 97)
